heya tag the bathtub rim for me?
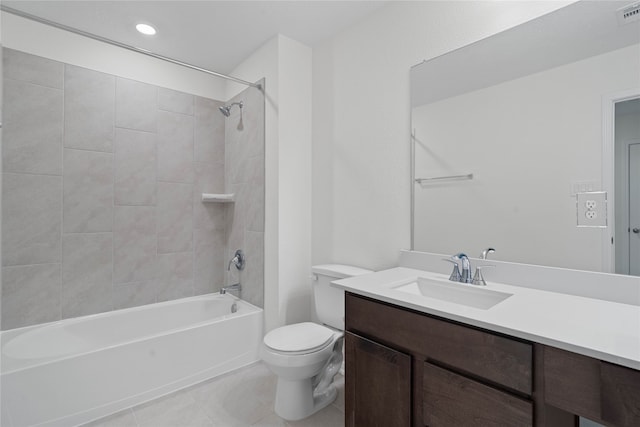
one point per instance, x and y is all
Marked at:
(11, 334)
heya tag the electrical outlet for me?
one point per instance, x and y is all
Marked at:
(592, 209)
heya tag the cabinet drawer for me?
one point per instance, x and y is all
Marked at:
(495, 358)
(450, 399)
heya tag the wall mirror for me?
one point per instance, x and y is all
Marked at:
(507, 130)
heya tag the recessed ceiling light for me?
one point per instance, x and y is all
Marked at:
(146, 29)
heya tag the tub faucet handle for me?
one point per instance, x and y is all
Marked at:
(238, 260)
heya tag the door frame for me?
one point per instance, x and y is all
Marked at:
(626, 171)
(608, 170)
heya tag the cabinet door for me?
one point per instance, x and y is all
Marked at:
(450, 399)
(620, 396)
(572, 382)
(377, 384)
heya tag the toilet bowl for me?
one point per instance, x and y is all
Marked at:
(306, 356)
(299, 361)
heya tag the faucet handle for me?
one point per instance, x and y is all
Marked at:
(455, 274)
(238, 260)
(478, 278)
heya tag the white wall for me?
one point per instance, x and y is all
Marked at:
(361, 120)
(52, 43)
(286, 66)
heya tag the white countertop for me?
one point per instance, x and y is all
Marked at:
(597, 328)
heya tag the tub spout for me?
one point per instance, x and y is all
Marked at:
(231, 288)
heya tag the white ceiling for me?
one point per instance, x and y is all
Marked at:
(216, 35)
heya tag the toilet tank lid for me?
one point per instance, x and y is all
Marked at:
(339, 271)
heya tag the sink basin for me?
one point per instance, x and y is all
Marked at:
(458, 293)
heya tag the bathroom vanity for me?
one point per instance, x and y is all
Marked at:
(532, 359)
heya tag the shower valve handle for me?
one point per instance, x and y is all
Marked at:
(238, 260)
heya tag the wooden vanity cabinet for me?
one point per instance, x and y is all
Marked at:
(407, 368)
(441, 373)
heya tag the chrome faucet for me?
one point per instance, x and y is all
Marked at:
(456, 275)
(231, 288)
(465, 275)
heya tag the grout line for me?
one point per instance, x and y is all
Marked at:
(62, 157)
(31, 173)
(37, 84)
(113, 193)
(66, 147)
(135, 418)
(135, 130)
(32, 265)
(164, 110)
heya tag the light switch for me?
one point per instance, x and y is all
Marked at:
(592, 209)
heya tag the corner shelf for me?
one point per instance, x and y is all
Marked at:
(218, 198)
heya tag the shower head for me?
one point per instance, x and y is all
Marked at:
(226, 109)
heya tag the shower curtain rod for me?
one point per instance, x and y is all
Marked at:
(123, 45)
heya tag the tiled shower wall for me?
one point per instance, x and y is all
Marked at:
(244, 176)
(102, 180)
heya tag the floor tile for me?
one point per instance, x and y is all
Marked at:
(271, 420)
(168, 410)
(327, 417)
(232, 400)
(243, 398)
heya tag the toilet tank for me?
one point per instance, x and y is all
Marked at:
(329, 301)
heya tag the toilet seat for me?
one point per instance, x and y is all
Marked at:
(299, 338)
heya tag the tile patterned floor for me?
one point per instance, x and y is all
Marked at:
(242, 398)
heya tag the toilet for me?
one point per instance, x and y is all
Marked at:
(307, 356)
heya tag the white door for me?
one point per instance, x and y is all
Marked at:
(634, 209)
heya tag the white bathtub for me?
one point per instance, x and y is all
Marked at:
(73, 371)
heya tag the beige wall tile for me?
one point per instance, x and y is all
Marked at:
(30, 295)
(88, 191)
(135, 168)
(32, 128)
(31, 219)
